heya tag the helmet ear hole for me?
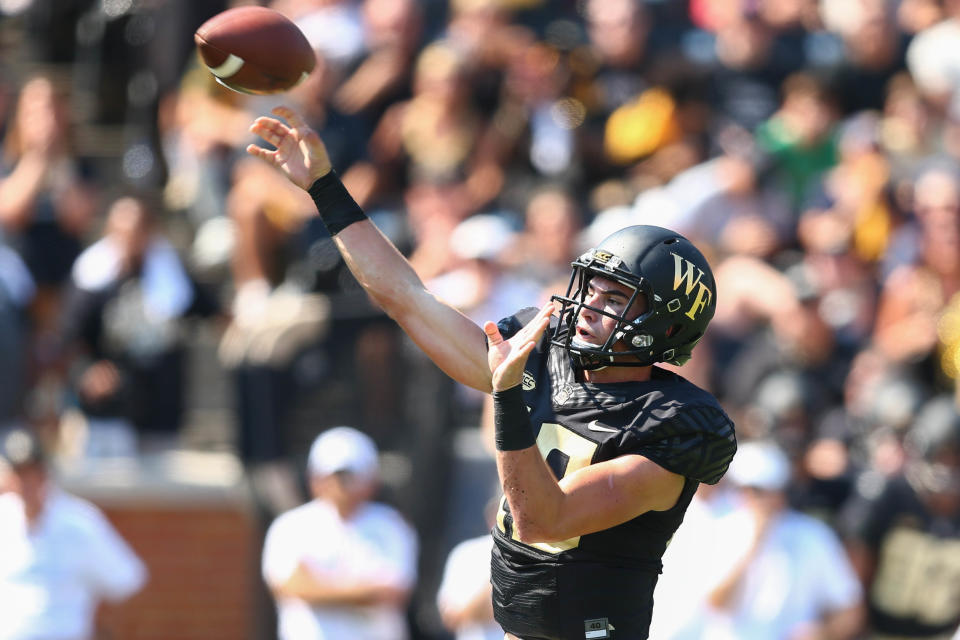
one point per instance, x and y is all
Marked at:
(674, 329)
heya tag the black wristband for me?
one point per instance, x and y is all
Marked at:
(338, 210)
(511, 420)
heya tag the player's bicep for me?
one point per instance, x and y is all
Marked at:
(454, 342)
(609, 493)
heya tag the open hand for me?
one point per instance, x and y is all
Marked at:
(508, 357)
(299, 154)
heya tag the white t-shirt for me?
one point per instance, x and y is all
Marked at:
(800, 573)
(466, 573)
(53, 576)
(682, 588)
(376, 543)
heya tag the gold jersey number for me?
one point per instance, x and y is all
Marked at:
(577, 452)
(918, 576)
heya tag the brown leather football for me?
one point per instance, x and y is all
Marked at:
(254, 49)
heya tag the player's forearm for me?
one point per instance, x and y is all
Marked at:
(375, 262)
(382, 271)
(321, 591)
(532, 493)
(454, 342)
(531, 490)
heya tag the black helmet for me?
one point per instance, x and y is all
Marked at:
(669, 271)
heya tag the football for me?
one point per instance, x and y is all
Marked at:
(253, 49)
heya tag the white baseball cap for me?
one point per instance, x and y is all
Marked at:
(482, 236)
(760, 464)
(343, 449)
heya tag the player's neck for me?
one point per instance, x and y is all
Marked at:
(618, 374)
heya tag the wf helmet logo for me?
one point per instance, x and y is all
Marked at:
(688, 275)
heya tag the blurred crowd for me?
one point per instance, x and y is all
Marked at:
(811, 149)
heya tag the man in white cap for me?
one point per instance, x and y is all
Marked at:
(60, 556)
(341, 565)
(776, 572)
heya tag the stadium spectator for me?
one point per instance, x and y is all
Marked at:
(934, 66)
(744, 65)
(16, 291)
(800, 138)
(766, 323)
(122, 332)
(393, 31)
(536, 133)
(728, 202)
(924, 277)
(780, 574)
(902, 531)
(553, 222)
(333, 27)
(60, 555)
(432, 137)
(48, 196)
(480, 286)
(619, 34)
(465, 596)
(341, 566)
(870, 51)
(837, 314)
(910, 135)
(681, 593)
(48, 199)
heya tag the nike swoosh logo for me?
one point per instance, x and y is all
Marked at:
(593, 426)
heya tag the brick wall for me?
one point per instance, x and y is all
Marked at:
(204, 577)
(192, 520)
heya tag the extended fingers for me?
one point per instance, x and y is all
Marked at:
(260, 152)
(298, 126)
(301, 132)
(265, 123)
(295, 119)
(535, 328)
(271, 130)
(547, 310)
(493, 332)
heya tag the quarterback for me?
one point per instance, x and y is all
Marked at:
(599, 451)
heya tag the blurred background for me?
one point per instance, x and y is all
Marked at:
(177, 326)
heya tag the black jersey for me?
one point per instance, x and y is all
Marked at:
(915, 590)
(600, 585)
